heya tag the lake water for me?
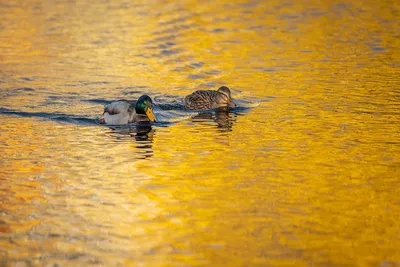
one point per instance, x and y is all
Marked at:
(305, 172)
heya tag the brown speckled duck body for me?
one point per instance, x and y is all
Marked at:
(209, 99)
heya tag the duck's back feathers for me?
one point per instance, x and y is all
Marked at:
(202, 99)
(121, 112)
(209, 99)
(119, 107)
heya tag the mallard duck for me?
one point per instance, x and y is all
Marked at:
(209, 99)
(124, 112)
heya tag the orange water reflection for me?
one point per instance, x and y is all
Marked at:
(307, 176)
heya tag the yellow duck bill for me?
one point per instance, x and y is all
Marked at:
(150, 115)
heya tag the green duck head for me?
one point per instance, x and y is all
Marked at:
(144, 106)
(225, 96)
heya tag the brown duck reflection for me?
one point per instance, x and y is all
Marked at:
(221, 116)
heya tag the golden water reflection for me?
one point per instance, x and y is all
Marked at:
(307, 174)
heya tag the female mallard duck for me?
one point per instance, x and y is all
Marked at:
(209, 99)
(124, 112)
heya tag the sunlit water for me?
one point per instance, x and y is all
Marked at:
(305, 172)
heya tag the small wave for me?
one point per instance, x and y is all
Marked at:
(51, 116)
(16, 91)
(244, 105)
(98, 101)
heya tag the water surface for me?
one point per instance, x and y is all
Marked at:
(305, 172)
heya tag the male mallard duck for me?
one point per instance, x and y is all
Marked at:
(209, 99)
(124, 112)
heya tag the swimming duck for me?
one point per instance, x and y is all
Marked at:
(209, 99)
(124, 112)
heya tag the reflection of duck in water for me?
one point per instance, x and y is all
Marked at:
(139, 132)
(221, 116)
(124, 112)
(142, 133)
(209, 99)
